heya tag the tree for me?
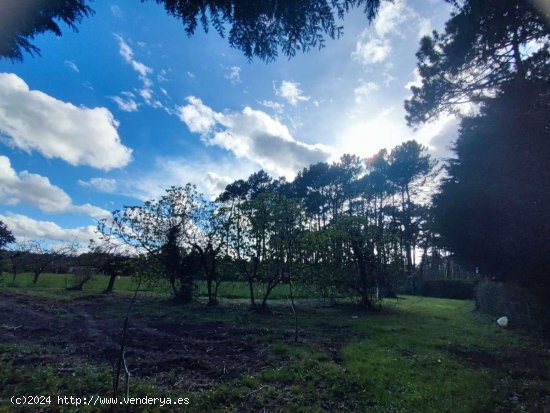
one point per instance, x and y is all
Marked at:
(209, 242)
(492, 210)
(6, 236)
(162, 230)
(22, 20)
(486, 45)
(181, 234)
(40, 257)
(351, 257)
(16, 258)
(107, 258)
(257, 28)
(408, 163)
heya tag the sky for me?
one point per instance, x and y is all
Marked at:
(129, 106)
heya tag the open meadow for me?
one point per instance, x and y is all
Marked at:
(416, 354)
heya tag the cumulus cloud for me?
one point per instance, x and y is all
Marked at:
(391, 16)
(252, 135)
(26, 228)
(33, 121)
(38, 191)
(198, 117)
(369, 50)
(290, 91)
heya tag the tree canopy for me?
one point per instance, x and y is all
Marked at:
(6, 236)
(262, 29)
(22, 20)
(492, 209)
(486, 44)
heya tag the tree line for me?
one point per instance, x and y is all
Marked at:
(352, 226)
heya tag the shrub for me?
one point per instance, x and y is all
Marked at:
(457, 289)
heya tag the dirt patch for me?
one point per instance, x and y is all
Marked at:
(184, 354)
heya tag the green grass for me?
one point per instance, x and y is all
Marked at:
(406, 366)
(405, 358)
(49, 282)
(398, 361)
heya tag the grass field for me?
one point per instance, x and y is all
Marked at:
(56, 283)
(415, 355)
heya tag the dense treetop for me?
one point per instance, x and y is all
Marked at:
(258, 28)
(485, 45)
(22, 20)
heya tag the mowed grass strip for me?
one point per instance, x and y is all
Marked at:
(55, 286)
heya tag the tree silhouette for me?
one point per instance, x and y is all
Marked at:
(6, 236)
(486, 44)
(493, 207)
(262, 29)
(22, 20)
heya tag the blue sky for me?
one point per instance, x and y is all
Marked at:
(129, 105)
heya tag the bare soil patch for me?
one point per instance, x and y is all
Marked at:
(182, 354)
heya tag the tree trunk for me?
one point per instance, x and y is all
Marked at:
(251, 287)
(112, 278)
(36, 275)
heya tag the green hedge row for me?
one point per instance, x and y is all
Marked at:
(457, 289)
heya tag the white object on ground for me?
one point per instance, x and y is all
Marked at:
(503, 321)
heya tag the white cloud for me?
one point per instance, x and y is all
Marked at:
(101, 184)
(198, 117)
(391, 16)
(252, 135)
(71, 65)
(277, 107)
(128, 55)
(210, 176)
(290, 91)
(91, 210)
(417, 80)
(425, 27)
(126, 104)
(233, 74)
(25, 228)
(396, 19)
(38, 191)
(31, 120)
(364, 90)
(369, 50)
(146, 92)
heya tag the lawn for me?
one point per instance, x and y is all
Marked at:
(415, 355)
(55, 284)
